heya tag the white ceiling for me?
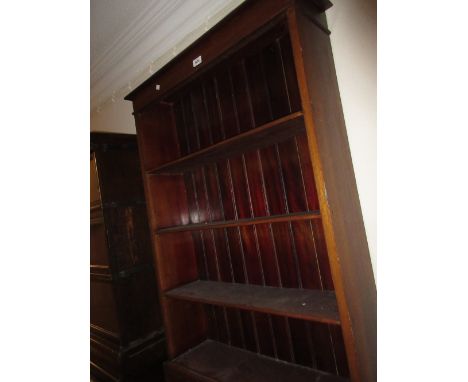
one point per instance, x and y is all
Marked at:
(109, 18)
(130, 40)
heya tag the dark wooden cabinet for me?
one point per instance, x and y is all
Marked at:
(258, 235)
(127, 337)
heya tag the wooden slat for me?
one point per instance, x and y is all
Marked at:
(242, 222)
(311, 305)
(272, 132)
(214, 361)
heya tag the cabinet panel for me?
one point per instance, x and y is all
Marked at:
(103, 306)
(128, 236)
(99, 252)
(119, 176)
(139, 315)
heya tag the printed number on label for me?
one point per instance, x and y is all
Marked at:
(197, 61)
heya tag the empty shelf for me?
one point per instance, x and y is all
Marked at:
(214, 361)
(311, 305)
(265, 135)
(241, 222)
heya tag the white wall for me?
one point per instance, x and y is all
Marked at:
(353, 24)
(115, 117)
(354, 38)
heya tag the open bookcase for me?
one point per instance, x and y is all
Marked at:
(261, 255)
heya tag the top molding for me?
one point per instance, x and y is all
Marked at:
(216, 43)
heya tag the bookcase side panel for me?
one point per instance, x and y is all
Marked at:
(339, 201)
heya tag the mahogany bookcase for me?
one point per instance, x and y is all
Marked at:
(262, 260)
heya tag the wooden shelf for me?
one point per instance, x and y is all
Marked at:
(311, 305)
(241, 222)
(214, 361)
(265, 135)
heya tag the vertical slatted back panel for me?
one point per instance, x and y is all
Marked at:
(239, 94)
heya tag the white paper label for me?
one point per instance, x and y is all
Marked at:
(197, 61)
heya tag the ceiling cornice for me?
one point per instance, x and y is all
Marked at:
(161, 31)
